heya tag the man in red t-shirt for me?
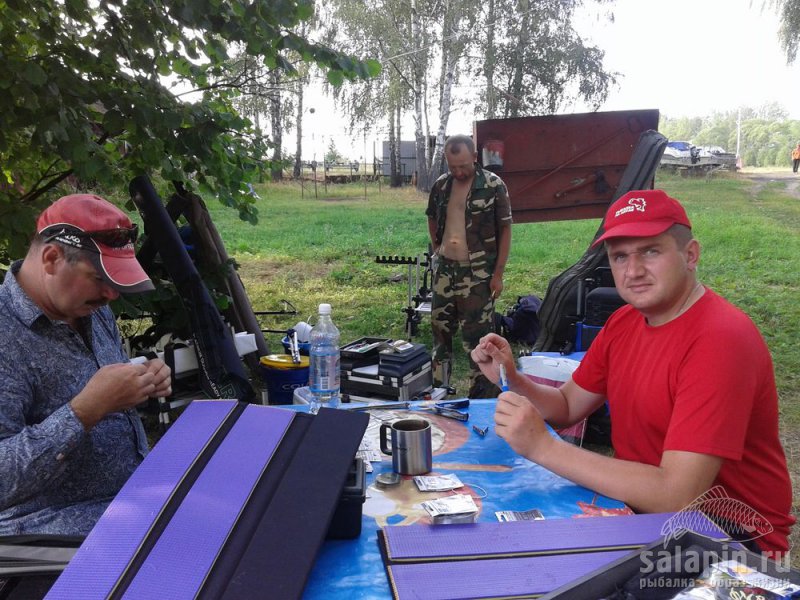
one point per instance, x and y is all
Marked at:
(688, 379)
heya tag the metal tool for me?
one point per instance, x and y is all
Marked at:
(450, 413)
(386, 405)
(481, 431)
(447, 408)
(463, 403)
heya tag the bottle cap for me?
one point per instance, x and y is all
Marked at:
(324, 309)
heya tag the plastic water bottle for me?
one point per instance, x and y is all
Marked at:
(324, 361)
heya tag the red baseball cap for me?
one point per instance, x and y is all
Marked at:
(91, 223)
(642, 213)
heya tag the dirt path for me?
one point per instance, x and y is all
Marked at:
(760, 179)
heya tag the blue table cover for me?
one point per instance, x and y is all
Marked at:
(486, 465)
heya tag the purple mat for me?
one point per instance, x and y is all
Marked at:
(494, 578)
(188, 547)
(418, 543)
(110, 546)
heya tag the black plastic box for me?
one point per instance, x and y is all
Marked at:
(346, 522)
(398, 367)
(401, 352)
(600, 303)
(361, 352)
(371, 384)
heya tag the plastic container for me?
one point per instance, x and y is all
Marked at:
(282, 376)
(548, 370)
(324, 358)
(553, 371)
(346, 521)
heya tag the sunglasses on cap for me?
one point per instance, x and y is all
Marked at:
(113, 238)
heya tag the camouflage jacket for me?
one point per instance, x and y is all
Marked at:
(488, 209)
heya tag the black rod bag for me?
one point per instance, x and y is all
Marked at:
(222, 374)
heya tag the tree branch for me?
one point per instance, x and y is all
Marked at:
(32, 195)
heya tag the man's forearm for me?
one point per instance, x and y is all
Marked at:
(548, 400)
(433, 227)
(551, 402)
(503, 250)
(645, 488)
(36, 456)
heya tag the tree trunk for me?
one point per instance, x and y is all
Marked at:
(276, 168)
(395, 180)
(298, 154)
(417, 91)
(444, 115)
(450, 53)
(516, 102)
(489, 60)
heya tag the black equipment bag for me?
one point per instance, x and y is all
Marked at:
(521, 321)
(222, 374)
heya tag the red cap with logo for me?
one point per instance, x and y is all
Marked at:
(91, 223)
(642, 213)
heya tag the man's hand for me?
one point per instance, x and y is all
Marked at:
(162, 377)
(491, 352)
(520, 424)
(118, 387)
(496, 286)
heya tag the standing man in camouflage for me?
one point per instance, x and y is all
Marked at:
(469, 221)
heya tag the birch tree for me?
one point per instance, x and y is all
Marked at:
(381, 30)
(520, 58)
(789, 11)
(537, 62)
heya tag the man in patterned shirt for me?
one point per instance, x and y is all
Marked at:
(469, 222)
(69, 433)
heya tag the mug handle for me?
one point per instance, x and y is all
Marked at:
(382, 438)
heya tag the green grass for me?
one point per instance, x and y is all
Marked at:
(309, 249)
(750, 255)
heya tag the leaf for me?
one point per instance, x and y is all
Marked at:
(114, 122)
(92, 167)
(373, 67)
(76, 8)
(34, 74)
(335, 78)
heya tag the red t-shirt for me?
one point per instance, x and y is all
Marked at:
(703, 383)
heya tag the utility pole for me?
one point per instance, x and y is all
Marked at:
(738, 132)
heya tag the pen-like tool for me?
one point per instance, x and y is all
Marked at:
(503, 379)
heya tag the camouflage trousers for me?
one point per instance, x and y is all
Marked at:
(459, 300)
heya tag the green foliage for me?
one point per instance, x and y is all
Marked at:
(541, 62)
(88, 96)
(332, 154)
(161, 312)
(789, 11)
(534, 62)
(767, 135)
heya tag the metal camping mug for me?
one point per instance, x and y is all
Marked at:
(412, 448)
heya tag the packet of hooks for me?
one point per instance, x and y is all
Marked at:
(437, 483)
(519, 515)
(450, 506)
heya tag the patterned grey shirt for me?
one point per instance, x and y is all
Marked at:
(55, 477)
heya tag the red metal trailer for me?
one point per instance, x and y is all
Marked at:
(560, 167)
